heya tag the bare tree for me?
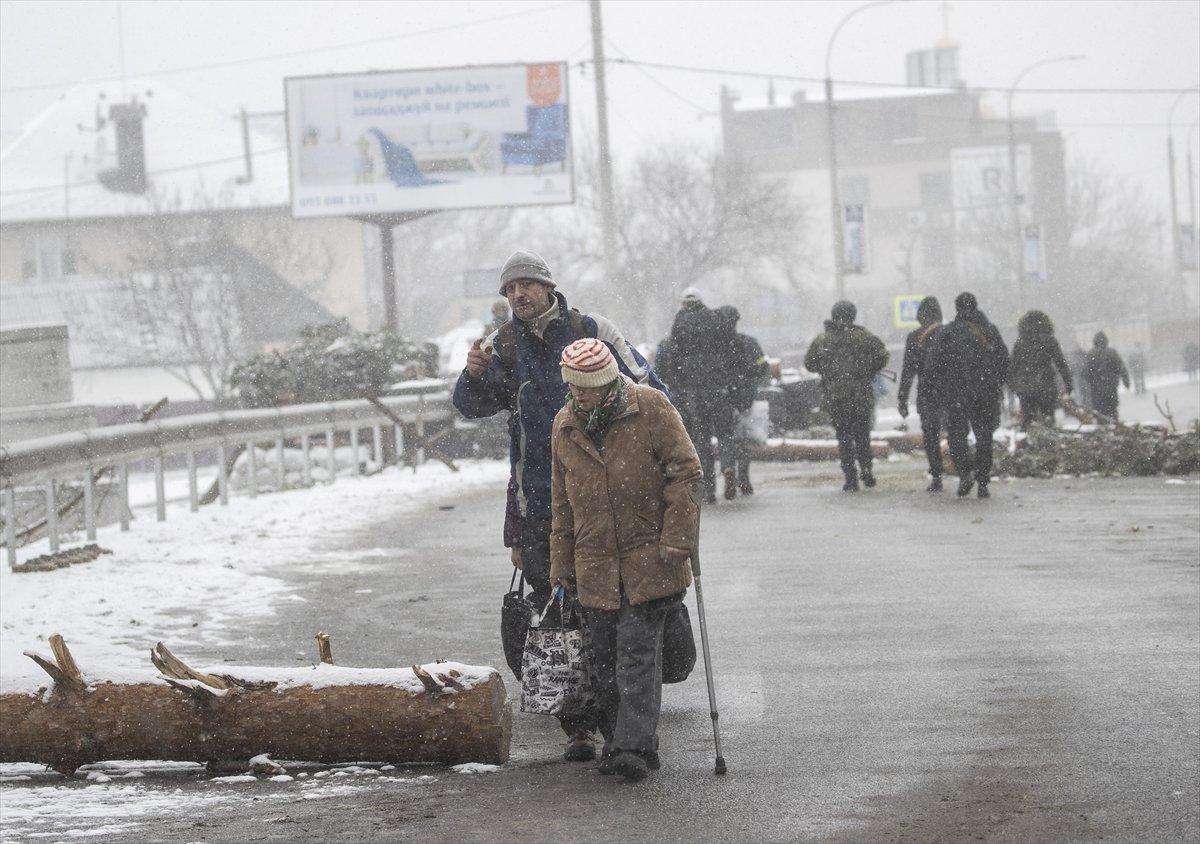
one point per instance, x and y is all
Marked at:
(686, 217)
(1114, 268)
(196, 292)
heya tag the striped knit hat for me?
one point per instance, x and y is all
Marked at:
(588, 363)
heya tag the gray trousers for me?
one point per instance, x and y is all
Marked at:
(627, 666)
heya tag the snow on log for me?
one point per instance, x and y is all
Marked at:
(444, 712)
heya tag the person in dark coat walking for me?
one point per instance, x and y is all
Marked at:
(1104, 370)
(1035, 357)
(691, 363)
(847, 357)
(747, 369)
(916, 365)
(516, 369)
(968, 366)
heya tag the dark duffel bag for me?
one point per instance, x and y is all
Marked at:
(515, 615)
(679, 646)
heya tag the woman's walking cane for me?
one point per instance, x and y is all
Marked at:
(708, 674)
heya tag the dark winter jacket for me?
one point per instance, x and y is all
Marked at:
(614, 507)
(1104, 369)
(968, 362)
(533, 391)
(1035, 357)
(847, 357)
(916, 356)
(743, 361)
(690, 360)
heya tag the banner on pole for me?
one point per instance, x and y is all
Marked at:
(856, 260)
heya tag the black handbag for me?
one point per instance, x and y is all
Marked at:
(679, 646)
(515, 615)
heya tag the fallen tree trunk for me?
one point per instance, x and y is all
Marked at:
(444, 712)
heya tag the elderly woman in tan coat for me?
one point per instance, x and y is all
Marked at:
(625, 496)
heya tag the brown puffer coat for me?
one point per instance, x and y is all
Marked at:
(613, 508)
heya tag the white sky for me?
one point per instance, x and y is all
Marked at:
(234, 54)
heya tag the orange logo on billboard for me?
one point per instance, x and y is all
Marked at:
(544, 82)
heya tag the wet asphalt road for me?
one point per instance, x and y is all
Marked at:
(890, 667)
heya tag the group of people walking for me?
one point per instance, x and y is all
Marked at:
(611, 460)
(961, 369)
(714, 373)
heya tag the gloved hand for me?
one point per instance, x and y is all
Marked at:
(903, 408)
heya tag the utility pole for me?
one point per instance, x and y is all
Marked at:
(606, 191)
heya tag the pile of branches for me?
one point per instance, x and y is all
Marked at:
(1109, 451)
(331, 362)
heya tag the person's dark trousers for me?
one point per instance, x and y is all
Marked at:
(931, 437)
(741, 456)
(1105, 402)
(981, 418)
(853, 429)
(627, 666)
(1037, 408)
(698, 425)
(535, 563)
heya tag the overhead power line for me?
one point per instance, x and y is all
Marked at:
(986, 89)
(162, 171)
(18, 89)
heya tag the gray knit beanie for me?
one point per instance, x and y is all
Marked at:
(525, 265)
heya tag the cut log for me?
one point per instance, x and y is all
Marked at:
(445, 713)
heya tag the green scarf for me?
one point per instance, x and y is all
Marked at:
(596, 420)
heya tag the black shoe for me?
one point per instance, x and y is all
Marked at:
(632, 766)
(745, 489)
(710, 498)
(935, 485)
(580, 748)
(868, 479)
(850, 485)
(964, 487)
(983, 491)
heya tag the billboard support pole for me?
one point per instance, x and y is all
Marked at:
(387, 250)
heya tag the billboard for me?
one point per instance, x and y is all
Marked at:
(429, 140)
(905, 310)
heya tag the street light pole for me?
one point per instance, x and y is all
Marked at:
(839, 247)
(1176, 251)
(1017, 234)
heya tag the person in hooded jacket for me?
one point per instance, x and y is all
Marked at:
(516, 369)
(968, 367)
(847, 357)
(690, 361)
(1036, 355)
(916, 358)
(746, 368)
(1104, 370)
(626, 485)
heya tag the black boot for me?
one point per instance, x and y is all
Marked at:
(935, 485)
(867, 478)
(730, 484)
(983, 490)
(851, 484)
(964, 487)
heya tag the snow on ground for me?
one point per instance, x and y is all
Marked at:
(197, 576)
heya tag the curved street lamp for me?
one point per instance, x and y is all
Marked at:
(1018, 235)
(839, 272)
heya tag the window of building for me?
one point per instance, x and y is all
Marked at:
(48, 256)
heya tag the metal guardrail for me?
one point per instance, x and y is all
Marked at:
(80, 457)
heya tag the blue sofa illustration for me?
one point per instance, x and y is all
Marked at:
(400, 165)
(545, 142)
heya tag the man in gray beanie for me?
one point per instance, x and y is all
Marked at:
(847, 357)
(516, 369)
